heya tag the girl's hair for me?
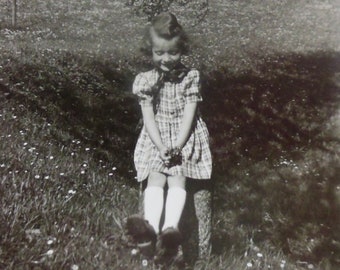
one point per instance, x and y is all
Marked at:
(166, 26)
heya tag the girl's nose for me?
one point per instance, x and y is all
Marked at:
(166, 57)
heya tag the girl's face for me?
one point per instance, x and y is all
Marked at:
(166, 54)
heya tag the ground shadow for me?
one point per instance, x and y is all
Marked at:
(278, 110)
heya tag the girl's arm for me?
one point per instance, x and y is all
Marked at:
(153, 131)
(186, 125)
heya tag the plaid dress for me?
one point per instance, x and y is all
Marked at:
(172, 97)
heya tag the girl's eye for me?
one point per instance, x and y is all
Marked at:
(158, 52)
(173, 52)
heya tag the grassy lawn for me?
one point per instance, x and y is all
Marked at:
(271, 81)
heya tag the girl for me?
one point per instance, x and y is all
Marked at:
(174, 141)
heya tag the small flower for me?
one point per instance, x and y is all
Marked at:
(260, 255)
(74, 267)
(37, 176)
(87, 149)
(72, 192)
(114, 168)
(82, 172)
(51, 157)
(47, 177)
(50, 242)
(249, 264)
(62, 174)
(50, 252)
(110, 174)
(134, 252)
(145, 263)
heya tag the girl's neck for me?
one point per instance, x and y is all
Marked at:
(175, 75)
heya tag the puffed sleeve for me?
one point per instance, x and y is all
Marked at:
(193, 87)
(142, 89)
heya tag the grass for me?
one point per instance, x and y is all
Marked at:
(271, 93)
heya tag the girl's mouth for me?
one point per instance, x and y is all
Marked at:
(165, 67)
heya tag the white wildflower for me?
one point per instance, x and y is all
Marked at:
(74, 267)
(134, 252)
(50, 252)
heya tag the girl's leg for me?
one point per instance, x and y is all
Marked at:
(175, 201)
(154, 199)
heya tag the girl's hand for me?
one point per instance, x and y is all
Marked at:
(165, 155)
(175, 156)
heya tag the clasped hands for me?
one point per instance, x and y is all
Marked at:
(171, 157)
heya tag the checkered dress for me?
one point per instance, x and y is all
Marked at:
(196, 155)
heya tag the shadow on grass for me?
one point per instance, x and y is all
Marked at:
(276, 155)
(265, 125)
(281, 106)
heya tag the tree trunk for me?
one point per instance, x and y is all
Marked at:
(196, 219)
(14, 13)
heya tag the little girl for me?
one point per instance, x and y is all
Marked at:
(174, 141)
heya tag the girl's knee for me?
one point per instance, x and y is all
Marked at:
(156, 179)
(177, 181)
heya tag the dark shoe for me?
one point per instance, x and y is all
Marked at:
(142, 233)
(167, 246)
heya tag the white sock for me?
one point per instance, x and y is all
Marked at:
(174, 206)
(153, 206)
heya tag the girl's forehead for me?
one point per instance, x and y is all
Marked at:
(162, 43)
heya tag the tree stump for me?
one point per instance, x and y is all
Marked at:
(195, 224)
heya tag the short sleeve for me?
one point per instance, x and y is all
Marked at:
(142, 89)
(192, 87)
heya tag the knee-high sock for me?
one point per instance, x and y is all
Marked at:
(153, 206)
(174, 206)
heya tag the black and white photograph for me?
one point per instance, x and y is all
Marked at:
(170, 134)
